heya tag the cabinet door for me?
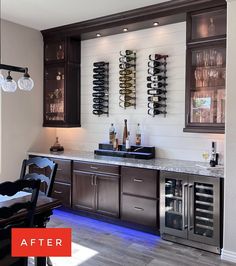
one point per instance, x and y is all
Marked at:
(204, 209)
(107, 195)
(62, 192)
(83, 191)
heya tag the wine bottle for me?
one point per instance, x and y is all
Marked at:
(156, 112)
(99, 70)
(156, 85)
(126, 72)
(156, 91)
(156, 98)
(156, 78)
(99, 100)
(126, 85)
(99, 64)
(99, 88)
(126, 65)
(112, 134)
(99, 112)
(127, 52)
(99, 106)
(99, 82)
(126, 59)
(154, 71)
(155, 105)
(99, 94)
(125, 91)
(99, 76)
(125, 98)
(127, 142)
(125, 132)
(125, 78)
(126, 104)
(156, 64)
(138, 135)
(157, 56)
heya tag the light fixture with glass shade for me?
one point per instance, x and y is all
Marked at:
(9, 85)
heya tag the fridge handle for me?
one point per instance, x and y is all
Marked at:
(191, 203)
(185, 207)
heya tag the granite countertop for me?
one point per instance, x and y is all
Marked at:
(182, 166)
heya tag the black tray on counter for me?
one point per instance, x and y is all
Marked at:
(136, 152)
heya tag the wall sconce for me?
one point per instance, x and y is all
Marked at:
(9, 85)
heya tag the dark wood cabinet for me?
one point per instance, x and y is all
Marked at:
(140, 196)
(205, 71)
(96, 188)
(61, 82)
(62, 192)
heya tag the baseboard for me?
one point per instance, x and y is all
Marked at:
(228, 255)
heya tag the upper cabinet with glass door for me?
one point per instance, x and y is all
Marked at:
(205, 71)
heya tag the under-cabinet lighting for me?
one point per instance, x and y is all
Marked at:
(155, 24)
(98, 35)
(125, 29)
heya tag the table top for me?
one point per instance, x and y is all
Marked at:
(44, 204)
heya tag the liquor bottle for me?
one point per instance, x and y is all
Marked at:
(126, 85)
(60, 53)
(125, 78)
(99, 70)
(156, 85)
(99, 82)
(127, 142)
(156, 98)
(156, 78)
(99, 94)
(125, 132)
(125, 91)
(127, 52)
(138, 135)
(155, 105)
(112, 134)
(99, 88)
(99, 64)
(156, 64)
(115, 142)
(126, 65)
(156, 91)
(99, 112)
(211, 28)
(99, 76)
(99, 100)
(126, 72)
(154, 71)
(213, 154)
(156, 112)
(157, 56)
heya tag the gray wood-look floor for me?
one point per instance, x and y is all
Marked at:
(97, 243)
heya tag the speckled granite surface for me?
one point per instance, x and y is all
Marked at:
(158, 164)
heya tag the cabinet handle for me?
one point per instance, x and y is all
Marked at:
(57, 192)
(185, 206)
(138, 209)
(93, 167)
(138, 180)
(190, 200)
(92, 183)
(59, 169)
(95, 180)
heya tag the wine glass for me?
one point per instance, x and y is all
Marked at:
(206, 58)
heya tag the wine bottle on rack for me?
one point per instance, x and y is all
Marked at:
(154, 105)
(99, 70)
(126, 85)
(126, 59)
(126, 65)
(156, 91)
(99, 100)
(156, 85)
(125, 91)
(125, 98)
(156, 78)
(99, 76)
(99, 88)
(99, 106)
(154, 71)
(99, 82)
(156, 112)
(99, 94)
(126, 104)
(127, 52)
(125, 132)
(99, 64)
(125, 78)
(156, 98)
(157, 56)
(99, 112)
(156, 64)
(126, 72)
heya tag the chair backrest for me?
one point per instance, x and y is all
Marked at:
(42, 163)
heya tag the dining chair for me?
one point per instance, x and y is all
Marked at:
(10, 189)
(44, 164)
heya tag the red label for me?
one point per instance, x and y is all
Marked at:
(41, 242)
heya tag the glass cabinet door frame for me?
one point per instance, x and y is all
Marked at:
(163, 228)
(217, 205)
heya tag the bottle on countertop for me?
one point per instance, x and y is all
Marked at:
(125, 132)
(112, 133)
(214, 156)
(127, 142)
(138, 135)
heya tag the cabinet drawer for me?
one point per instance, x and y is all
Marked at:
(140, 182)
(63, 170)
(63, 193)
(96, 168)
(139, 210)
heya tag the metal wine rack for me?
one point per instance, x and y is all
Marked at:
(157, 84)
(101, 88)
(127, 79)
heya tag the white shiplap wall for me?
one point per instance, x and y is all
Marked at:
(165, 133)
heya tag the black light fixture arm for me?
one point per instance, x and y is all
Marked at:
(14, 68)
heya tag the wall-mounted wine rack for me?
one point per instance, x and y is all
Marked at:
(157, 84)
(101, 88)
(127, 79)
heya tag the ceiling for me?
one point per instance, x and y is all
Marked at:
(45, 14)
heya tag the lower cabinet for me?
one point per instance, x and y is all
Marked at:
(62, 191)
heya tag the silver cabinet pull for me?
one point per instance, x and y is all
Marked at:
(95, 180)
(138, 180)
(138, 209)
(93, 167)
(92, 180)
(57, 192)
(185, 206)
(59, 169)
(190, 200)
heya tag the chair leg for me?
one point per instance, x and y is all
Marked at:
(49, 262)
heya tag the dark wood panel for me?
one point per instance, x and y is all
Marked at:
(140, 182)
(96, 167)
(62, 192)
(107, 195)
(83, 191)
(63, 170)
(139, 210)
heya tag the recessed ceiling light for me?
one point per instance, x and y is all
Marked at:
(155, 23)
(125, 29)
(98, 35)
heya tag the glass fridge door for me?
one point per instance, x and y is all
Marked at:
(174, 204)
(204, 210)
